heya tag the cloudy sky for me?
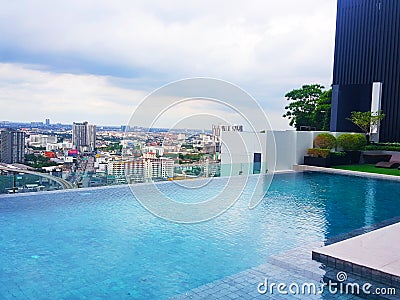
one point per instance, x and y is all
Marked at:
(96, 60)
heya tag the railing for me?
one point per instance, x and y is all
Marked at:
(17, 182)
(22, 181)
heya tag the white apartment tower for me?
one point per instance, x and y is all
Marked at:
(147, 168)
(131, 171)
(155, 167)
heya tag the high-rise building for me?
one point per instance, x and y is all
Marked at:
(91, 137)
(12, 146)
(47, 122)
(125, 128)
(84, 137)
(366, 71)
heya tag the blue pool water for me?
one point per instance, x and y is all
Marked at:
(102, 243)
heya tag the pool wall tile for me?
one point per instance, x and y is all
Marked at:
(366, 272)
(357, 269)
(386, 278)
(347, 266)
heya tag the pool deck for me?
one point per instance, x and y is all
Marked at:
(302, 168)
(374, 255)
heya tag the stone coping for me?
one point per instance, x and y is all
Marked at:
(305, 168)
(374, 255)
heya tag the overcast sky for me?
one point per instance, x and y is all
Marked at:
(96, 60)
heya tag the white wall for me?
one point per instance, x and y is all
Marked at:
(291, 147)
(237, 152)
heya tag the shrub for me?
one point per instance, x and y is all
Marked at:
(384, 146)
(318, 152)
(349, 141)
(325, 141)
(337, 154)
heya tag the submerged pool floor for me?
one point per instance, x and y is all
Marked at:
(102, 243)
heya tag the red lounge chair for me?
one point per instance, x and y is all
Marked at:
(393, 163)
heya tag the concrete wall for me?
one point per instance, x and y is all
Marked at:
(286, 148)
(237, 152)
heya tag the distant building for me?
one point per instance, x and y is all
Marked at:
(125, 128)
(36, 124)
(158, 150)
(218, 129)
(51, 146)
(211, 168)
(210, 148)
(126, 171)
(12, 146)
(65, 145)
(47, 122)
(157, 167)
(181, 137)
(84, 137)
(41, 140)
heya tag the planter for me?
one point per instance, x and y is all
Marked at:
(326, 162)
(375, 158)
(354, 156)
(317, 161)
(337, 160)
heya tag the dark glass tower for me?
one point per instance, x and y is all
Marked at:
(367, 51)
(12, 146)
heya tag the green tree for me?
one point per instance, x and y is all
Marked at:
(322, 113)
(309, 105)
(38, 161)
(366, 120)
(113, 147)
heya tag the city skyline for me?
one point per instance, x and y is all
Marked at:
(111, 57)
(11, 123)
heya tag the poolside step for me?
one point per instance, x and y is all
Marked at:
(374, 255)
(299, 261)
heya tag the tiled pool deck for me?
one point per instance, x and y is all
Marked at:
(285, 268)
(294, 266)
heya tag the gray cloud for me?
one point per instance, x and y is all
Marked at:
(266, 47)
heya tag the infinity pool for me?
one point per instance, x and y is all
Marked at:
(100, 243)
